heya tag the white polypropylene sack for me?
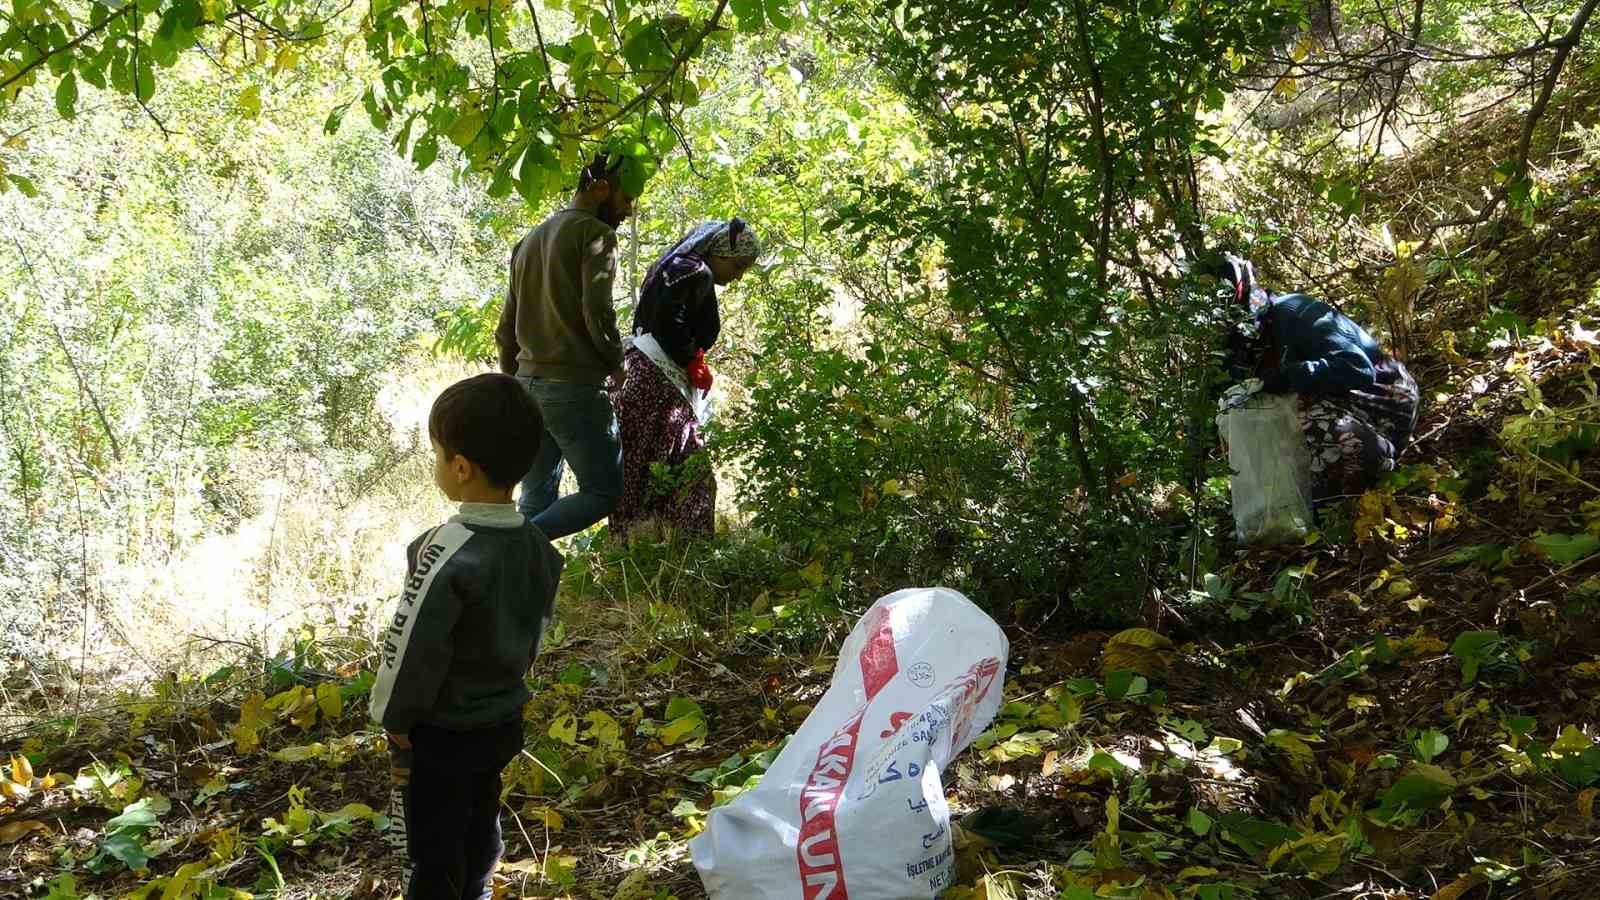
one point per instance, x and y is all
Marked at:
(853, 806)
(1271, 480)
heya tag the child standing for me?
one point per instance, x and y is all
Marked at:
(478, 594)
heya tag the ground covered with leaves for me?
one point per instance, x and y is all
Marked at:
(1407, 706)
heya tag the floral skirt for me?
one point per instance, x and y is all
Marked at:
(1356, 436)
(666, 471)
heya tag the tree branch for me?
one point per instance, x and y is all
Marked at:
(87, 33)
(544, 53)
(683, 56)
(1557, 63)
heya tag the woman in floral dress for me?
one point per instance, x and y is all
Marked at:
(666, 472)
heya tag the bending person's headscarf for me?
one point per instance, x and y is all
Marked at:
(732, 238)
(1241, 275)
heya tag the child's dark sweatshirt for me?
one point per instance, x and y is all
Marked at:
(479, 592)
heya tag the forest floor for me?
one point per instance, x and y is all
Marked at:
(1407, 706)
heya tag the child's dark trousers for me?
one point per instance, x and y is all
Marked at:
(446, 791)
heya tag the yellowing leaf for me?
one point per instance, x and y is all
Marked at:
(1571, 741)
(250, 101)
(1300, 753)
(681, 729)
(224, 844)
(1196, 872)
(605, 730)
(551, 819)
(565, 729)
(1586, 802)
(1586, 669)
(1141, 637)
(465, 129)
(21, 770)
(182, 885)
(300, 753)
(330, 701)
(1020, 746)
(286, 59)
(1135, 650)
(11, 832)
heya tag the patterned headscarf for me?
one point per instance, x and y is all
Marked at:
(1242, 275)
(716, 238)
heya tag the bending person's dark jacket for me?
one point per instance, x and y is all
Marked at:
(480, 590)
(679, 308)
(1318, 349)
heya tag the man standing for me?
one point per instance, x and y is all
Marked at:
(558, 335)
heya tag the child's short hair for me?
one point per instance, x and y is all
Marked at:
(491, 420)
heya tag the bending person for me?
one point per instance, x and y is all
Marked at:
(1358, 404)
(666, 472)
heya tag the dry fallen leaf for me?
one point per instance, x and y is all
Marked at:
(1456, 889)
(11, 832)
(1136, 650)
(21, 770)
(1586, 802)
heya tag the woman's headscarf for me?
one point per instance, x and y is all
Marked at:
(715, 238)
(1238, 272)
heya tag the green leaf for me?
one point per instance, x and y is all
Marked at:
(63, 888)
(1423, 788)
(1566, 549)
(1476, 553)
(678, 707)
(425, 151)
(1102, 761)
(1473, 649)
(137, 817)
(1519, 725)
(751, 14)
(375, 113)
(1198, 822)
(24, 184)
(67, 96)
(778, 13)
(465, 129)
(357, 687)
(1430, 745)
(1253, 835)
(1122, 684)
(127, 849)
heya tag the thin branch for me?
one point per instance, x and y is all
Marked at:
(683, 56)
(538, 32)
(494, 63)
(87, 33)
(1557, 63)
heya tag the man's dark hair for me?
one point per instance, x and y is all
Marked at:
(602, 168)
(491, 420)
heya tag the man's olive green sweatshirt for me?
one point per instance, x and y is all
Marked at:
(558, 322)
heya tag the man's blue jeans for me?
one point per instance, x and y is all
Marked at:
(580, 428)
